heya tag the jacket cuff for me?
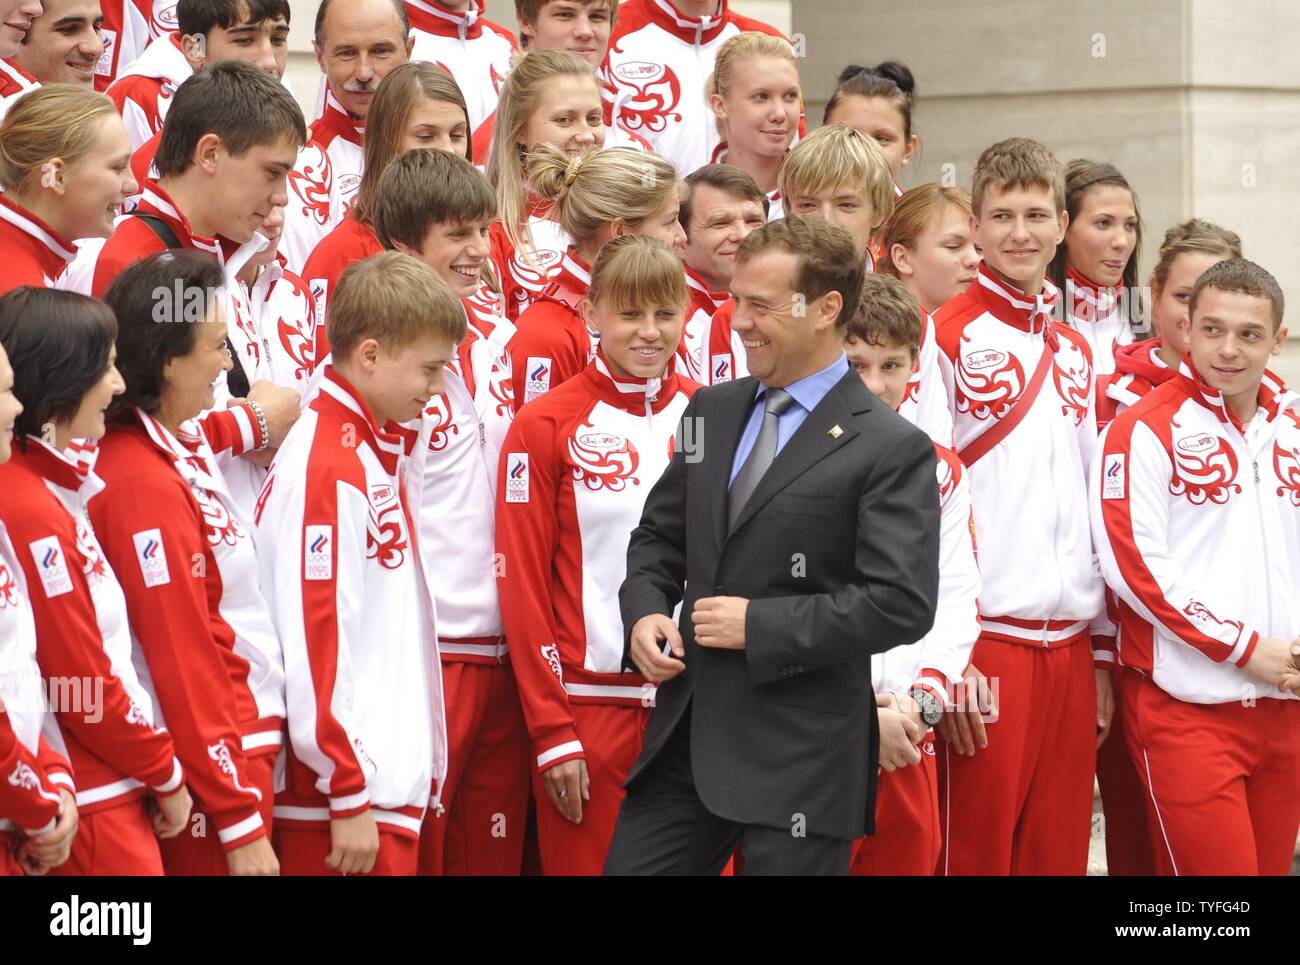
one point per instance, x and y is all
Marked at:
(558, 746)
(349, 805)
(245, 830)
(1250, 649)
(174, 784)
(937, 683)
(1104, 656)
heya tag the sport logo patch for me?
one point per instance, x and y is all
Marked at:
(104, 66)
(1112, 486)
(319, 292)
(720, 366)
(52, 565)
(318, 553)
(517, 477)
(538, 377)
(152, 557)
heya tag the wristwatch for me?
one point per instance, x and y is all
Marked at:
(930, 705)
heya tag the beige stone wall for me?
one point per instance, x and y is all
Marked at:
(1197, 102)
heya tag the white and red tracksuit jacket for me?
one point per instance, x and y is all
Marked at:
(343, 574)
(1138, 369)
(655, 74)
(83, 640)
(925, 403)
(14, 83)
(129, 26)
(525, 275)
(183, 554)
(1197, 522)
(1040, 583)
(323, 183)
(937, 661)
(34, 254)
(474, 50)
(350, 241)
(700, 309)
(453, 484)
(575, 472)
(1098, 314)
(31, 769)
(144, 89)
(552, 343)
(277, 340)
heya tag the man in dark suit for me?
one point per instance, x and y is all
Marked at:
(800, 523)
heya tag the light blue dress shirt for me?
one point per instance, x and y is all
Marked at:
(807, 393)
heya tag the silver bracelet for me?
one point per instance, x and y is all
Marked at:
(264, 433)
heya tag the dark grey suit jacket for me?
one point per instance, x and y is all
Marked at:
(837, 550)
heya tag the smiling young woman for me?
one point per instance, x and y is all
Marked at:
(65, 169)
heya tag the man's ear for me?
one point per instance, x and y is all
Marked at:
(405, 249)
(1064, 224)
(195, 48)
(208, 151)
(320, 56)
(367, 355)
(1279, 340)
(410, 45)
(975, 232)
(828, 310)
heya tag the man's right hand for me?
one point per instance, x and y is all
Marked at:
(253, 859)
(962, 726)
(1272, 661)
(648, 635)
(354, 844)
(571, 779)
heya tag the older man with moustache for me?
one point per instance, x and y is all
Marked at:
(357, 43)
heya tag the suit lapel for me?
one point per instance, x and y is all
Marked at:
(812, 442)
(732, 414)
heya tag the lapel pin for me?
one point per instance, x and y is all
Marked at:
(835, 432)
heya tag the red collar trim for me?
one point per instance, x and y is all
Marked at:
(1088, 301)
(693, 30)
(388, 446)
(335, 121)
(701, 288)
(1271, 391)
(1029, 313)
(630, 394)
(51, 250)
(68, 472)
(434, 18)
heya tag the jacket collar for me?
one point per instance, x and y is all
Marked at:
(700, 291)
(1005, 302)
(1143, 359)
(433, 18)
(571, 281)
(336, 122)
(50, 249)
(1086, 300)
(1271, 393)
(231, 255)
(630, 394)
(692, 30)
(338, 392)
(67, 470)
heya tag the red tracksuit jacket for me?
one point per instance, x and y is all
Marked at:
(552, 343)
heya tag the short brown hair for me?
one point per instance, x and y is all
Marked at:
(527, 11)
(394, 299)
(634, 271)
(1018, 162)
(887, 315)
(427, 187)
(828, 260)
(241, 104)
(735, 182)
(1242, 277)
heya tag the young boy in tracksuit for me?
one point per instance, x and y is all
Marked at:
(344, 578)
(1025, 430)
(1201, 475)
(915, 684)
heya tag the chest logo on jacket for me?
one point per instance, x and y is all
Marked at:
(1205, 468)
(1286, 458)
(988, 383)
(603, 460)
(385, 529)
(1072, 376)
(653, 96)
